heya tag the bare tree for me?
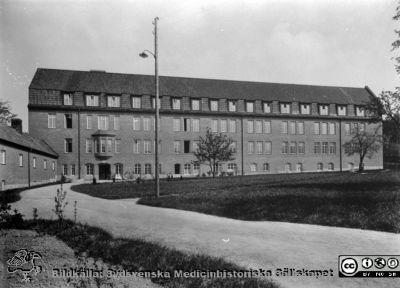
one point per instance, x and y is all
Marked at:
(5, 112)
(363, 143)
(213, 149)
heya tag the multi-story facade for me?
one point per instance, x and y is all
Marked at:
(102, 124)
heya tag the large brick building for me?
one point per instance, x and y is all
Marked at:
(24, 160)
(102, 124)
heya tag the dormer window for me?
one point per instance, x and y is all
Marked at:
(285, 108)
(92, 100)
(232, 106)
(196, 104)
(249, 106)
(113, 101)
(267, 107)
(67, 100)
(136, 102)
(360, 111)
(176, 103)
(342, 110)
(323, 109)
(214, 105)
(305, 109)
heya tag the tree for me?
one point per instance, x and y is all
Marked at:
(5, 112)
(214, 149)
(363, 143)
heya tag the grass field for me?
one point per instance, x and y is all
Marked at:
(368, 201)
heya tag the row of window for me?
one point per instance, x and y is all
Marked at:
(214, 105)
(3, 161)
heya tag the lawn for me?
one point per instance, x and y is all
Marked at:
(367, 201)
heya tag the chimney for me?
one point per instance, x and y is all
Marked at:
(16, 123)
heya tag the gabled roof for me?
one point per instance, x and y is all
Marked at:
(115, 83)
(25, 141)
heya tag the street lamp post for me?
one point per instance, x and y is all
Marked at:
(144, 54)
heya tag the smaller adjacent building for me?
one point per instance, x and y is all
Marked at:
(24, 160)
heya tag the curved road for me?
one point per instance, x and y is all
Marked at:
(262, 244)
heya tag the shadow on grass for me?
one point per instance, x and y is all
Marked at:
(138, 255)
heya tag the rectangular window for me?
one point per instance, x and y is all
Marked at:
(233, 146)
(301, 148)
(285, 108)
(113, 101)
(89, 147)
(68, 121)
(347, 128)
(354, 128)
(21, 160)
(153, 102)
(214, 125)
(51, 120)
(293, 148)
(102, 145)
(177, 147)
(186, 124)
(341, 110)
(332, 129)
(268, 147)
(195, 104)
(136, 146)
(258, 126)
(232, 126)
(232, 106)
(250, 107)
(73, 170)
(324, 147)
(3, 157)
(109, 145)
(176, 103)
(360, 111)
(284, 127)
(259, 146)
(324, 128)
(267, 127)
(102, 122)
(53, 166)
(361, 127)
(117, 145)
(323, 109)
(146, 124)
(267, 107)
(224, 126)
(305, 109)
(300, 128)
(292, 127)
(146, 147)
(196, 125)
(136, 102)
(316, 128)
(250, 147)
(68, 145)
(117, 123)
(285, 147)
(88, 121)
(147, 168)
(89, 169)
(176, 123)
(195, 145)
(92, 100)
(138, 169)
(34, 162)
(317, 148)
(136, 124)
(332, 148)
(250, 126)
(214, 105)
(65, 169)
(67, 99)
(186, 146)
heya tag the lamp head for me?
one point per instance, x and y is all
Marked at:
(143, 55)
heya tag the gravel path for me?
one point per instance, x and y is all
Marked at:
(261, 244)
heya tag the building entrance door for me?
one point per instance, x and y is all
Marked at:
(104, 171)
(177, 168)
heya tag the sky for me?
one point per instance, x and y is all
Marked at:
(319, 42)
